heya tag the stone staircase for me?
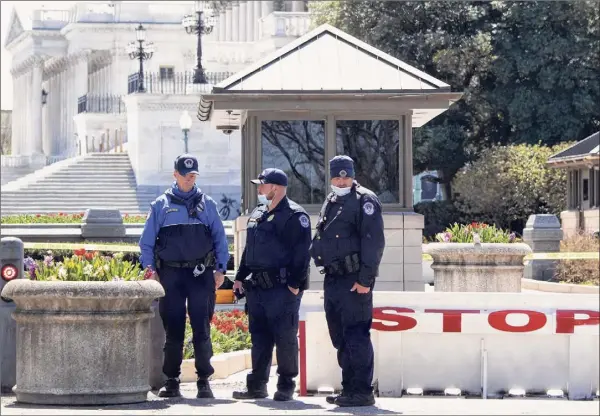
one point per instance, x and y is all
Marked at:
(99, 180)
(10, 174)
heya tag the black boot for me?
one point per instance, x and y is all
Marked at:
(331, 398)
(355, 400)
(204, 391)
(252, 392)
(285, 389)
(170, 389)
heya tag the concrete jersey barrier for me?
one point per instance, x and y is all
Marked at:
(483, 344)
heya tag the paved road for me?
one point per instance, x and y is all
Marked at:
(224, 405)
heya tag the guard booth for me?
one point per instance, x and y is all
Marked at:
(324, 94)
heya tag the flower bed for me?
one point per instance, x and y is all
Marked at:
(61, 218)
(228, 333)
(475, 232)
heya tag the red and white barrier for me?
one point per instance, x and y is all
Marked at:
(480, 343)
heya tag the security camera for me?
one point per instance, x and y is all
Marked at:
(227, 132)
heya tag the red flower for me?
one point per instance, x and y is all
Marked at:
(89, 255)
(38, 215)
(79, 252)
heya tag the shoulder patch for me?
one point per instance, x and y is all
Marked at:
(304, 221)
(369, 208)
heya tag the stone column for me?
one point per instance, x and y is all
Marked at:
(297, 6)
(222, 25)
(543, 234)
(257, 6)
(46, 133)
(16, 122)
(235, 22)
(250, 20)
(267, 7)
(242, 20)
(29, 114)
(228, 23)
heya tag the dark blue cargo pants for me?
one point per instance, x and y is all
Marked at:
(349, 316)
(273, 316)
(182, 286)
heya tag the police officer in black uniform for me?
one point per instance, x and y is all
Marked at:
(273, 274)
(184, 243)
(348, 246)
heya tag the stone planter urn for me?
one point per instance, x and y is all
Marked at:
(82, 343)
(468, 267)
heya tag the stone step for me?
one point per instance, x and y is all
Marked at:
(74, 200)
(35, 191)
(88, 181)
(101, 167)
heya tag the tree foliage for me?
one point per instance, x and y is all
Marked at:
(528, 70)
(509, 183)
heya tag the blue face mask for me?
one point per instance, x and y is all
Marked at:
(340, 191)
(263, 200)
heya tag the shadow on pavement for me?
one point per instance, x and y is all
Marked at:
(297, 404)
(364, 410)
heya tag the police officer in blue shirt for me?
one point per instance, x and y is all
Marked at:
(348, 246)
(184, 244)
(273, 273)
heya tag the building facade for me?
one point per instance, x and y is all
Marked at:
(69, 62)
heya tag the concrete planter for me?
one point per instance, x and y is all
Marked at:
(487, 267)
(82, 343)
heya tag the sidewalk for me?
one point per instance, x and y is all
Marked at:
(224, 405)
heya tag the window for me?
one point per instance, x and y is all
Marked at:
(298, 148)
(374, 145)
(586, 190)
(167, 73)
(574, 189)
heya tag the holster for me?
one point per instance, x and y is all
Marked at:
(266, 279)
(347, 265)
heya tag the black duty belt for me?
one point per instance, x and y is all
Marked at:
(348, 265)
(266, 279)
(208, 261)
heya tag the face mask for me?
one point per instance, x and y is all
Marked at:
(340, 191)
(263, 200)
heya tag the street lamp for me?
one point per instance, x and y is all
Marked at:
(199, 25)
(141, 52)
(185, 122)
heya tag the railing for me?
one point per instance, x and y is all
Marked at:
(181, 83)
(104, 103)
(284, 24)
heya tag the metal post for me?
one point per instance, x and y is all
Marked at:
(185, 140)
(199, 76)
(141, 73)
(12, 253)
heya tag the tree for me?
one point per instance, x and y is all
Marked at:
(528, 70)
(509, 183)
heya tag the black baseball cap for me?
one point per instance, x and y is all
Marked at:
(273, 176)
(186, 163)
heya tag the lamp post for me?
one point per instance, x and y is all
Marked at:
(141, 52)
(185, 122)
(201, 24)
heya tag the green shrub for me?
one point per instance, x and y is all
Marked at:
(509, 183)
(460, 233)
(578, 271)
(61, 218)
(439, 215)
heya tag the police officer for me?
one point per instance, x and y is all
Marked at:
(184, 244)
(273, 274)
(348, 246)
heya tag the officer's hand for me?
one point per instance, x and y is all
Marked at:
(219, 279)
(237, 286)
(294, 291)
(360, 289)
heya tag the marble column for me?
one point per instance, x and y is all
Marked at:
(250, 20)
(257, 13)
(228, 23)
(242, 20)
(235, 21)
(267, 7)
(16, 137)
(222, 25)
(297, 5)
